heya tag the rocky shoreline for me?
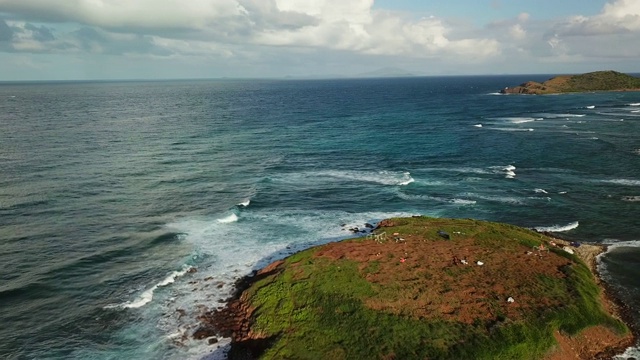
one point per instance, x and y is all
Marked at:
(235, 320)
(594, 81)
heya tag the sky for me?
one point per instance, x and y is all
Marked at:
(199, 39)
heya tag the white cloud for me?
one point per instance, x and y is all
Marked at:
(523, 17)
(517, 32)
(322, 24)
(131, 14)
(616, 17)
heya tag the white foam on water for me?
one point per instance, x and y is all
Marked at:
(510, 129)
(635, 111)
(558, 228)
(540, 191)
(397, 178)
(228, 219)
(634, 104)
(634, 198)
(625, 182)
(478, 125)
(517, 120)
(432, 182)
(464, 170)
(508, 171)
(631, 353)
(225, 252)
(147, 296)
(615, 244)
(495, 198)
(555, 116)
(245, 203)
(562, 192)
(457, 201)
(463, 201)
(496, 93)
(591, 107)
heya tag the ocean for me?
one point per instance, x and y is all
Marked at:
(129, 208)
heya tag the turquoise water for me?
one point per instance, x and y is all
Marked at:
(110, 192)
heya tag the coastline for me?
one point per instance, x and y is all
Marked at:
(589, 254)
(235, 319)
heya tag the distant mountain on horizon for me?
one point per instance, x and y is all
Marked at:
(386, 72)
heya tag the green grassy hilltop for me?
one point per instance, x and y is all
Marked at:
(406, 293)
(593, 81)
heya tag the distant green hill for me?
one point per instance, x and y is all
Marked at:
(593, 81)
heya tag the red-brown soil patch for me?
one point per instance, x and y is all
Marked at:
(429, 284)
(596, 342)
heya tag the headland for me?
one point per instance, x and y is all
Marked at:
(418, 288)
(589, 82)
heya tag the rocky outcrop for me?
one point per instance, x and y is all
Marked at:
(482, 280)
(594, 81)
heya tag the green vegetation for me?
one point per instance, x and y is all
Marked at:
(594, 81)
(316, 307)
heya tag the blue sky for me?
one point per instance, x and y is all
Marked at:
(160, 39)
(485, 11)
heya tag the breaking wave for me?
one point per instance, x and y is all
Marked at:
(556, 116)
(456, 201)
(511, 129)
(558, 228)
(147, 295)
(625, 182)
(228, 219)
(396, 178)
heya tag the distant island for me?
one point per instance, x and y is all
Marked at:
(425, 288)
(593, 81)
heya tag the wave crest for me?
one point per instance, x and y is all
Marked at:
(228, 219)
(147, 295)
(558, 228)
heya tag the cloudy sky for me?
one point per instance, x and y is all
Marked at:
(156, 39)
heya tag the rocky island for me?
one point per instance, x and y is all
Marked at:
(593, 81)
(425, 288)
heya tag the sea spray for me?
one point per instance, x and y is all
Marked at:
(558, 228)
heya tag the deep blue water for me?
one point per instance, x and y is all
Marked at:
(111, 191)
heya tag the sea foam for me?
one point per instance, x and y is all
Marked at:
(558, 228)
(566, 115)
(228, 219)
(456, 201)
(147, 295)
(625, 182)
(225, 252)
(511, 129)
(380, 177)
(508, 171)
